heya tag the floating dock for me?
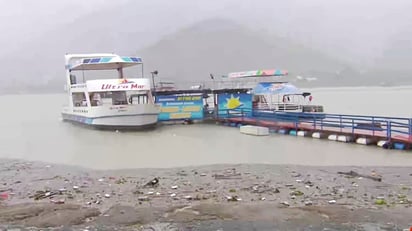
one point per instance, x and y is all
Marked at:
(385, 132)
(233, 107)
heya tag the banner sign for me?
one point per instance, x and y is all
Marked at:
(235, 104)
(118, 85)
(258, 73)
(174, 107)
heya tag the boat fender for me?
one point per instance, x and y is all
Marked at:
(387, 145)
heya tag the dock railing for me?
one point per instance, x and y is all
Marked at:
(389, 128)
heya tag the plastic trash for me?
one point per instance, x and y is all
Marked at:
(153, 183)
(4, 196)
(332, 202)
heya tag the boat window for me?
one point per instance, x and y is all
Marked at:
(96, 99)
(119, 98)
(73, 79)
(140, 98)
(79, 99)
(143, 99)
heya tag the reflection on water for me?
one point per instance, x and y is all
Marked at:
(31, 129)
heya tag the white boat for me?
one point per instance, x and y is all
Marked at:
(118, 103)
(282, 97)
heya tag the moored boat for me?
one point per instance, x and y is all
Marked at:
(117, 103)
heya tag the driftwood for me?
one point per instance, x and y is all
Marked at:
(43, 195)
(355, 174)
(232, 176)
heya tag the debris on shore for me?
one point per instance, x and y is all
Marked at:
(243, 185)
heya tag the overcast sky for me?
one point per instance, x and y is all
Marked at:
(356, 29)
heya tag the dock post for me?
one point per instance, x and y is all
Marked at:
(321, 124)
(410, 130)
(314, 123)
(296, 125)
(373, 126)
(353, 127)
(388, 130)
(340, 123)
(243, 116)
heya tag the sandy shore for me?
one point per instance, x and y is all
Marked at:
(38, 195)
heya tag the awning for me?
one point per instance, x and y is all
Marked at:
(106, 63)
(275, 88)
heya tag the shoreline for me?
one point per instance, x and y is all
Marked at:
(224, 195)
(312, 88)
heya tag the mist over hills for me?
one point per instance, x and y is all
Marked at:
(221, 46)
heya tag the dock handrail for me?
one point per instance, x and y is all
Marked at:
(390, 128)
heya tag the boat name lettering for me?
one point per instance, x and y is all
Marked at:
(117, 108)
(121, 86)
(80, 110)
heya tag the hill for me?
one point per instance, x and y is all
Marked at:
(220, 46)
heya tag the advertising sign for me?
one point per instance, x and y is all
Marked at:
(173, 107)
(235, 103)
(258, 73)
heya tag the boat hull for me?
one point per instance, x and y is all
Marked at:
(128, 118)
(130, 122)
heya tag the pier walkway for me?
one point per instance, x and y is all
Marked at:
(388, 132)
(193, 105)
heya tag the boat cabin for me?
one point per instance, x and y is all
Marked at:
(95, 93)
(107, 92)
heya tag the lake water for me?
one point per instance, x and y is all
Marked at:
(31, 129)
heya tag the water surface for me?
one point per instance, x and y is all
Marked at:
(31, 128)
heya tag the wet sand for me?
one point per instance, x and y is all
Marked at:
(36, 195)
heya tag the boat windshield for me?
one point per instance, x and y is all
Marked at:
(120, 98)
(280, 101)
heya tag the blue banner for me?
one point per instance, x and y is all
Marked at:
(234, 104)
(174, 107)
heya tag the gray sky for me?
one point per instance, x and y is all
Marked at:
(359, 31)
(353, 27)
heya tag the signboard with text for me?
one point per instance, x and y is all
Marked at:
(173, 107)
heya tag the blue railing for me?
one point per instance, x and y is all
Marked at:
(387, 127)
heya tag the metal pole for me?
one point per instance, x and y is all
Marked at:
(153, 82)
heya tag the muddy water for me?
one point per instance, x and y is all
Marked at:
(31, 129)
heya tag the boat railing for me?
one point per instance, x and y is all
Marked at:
(279, 106)
(390, 128)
